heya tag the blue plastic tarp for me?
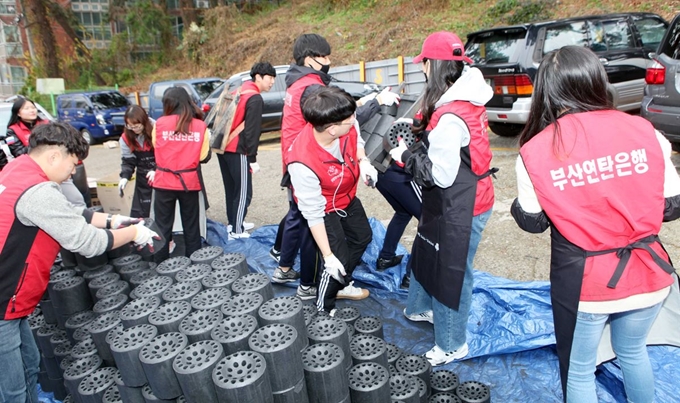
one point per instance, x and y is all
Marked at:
(510, 331)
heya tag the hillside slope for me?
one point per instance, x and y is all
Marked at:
(367, 29)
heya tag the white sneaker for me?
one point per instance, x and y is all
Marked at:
(233, 235)
(437, 356)
(246, 226)
(426, 316)
(352, 292)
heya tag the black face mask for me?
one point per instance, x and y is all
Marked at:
(324, 67)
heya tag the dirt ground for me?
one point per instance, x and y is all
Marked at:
(505, 250)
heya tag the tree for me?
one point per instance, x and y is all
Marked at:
(149, 26)
(188, 12)
(65, 21)
(43, 37)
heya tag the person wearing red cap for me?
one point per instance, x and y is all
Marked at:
(452, 165)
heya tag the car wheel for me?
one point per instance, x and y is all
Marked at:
(506, 129)
(87, 136)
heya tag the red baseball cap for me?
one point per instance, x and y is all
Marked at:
(441, 46)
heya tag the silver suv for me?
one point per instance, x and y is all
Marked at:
(661, 103)
(509, 57)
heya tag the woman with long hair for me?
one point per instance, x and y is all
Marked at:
(24, 118)
(136, 151)
(451, 163)
(603, 182)
(181, 141)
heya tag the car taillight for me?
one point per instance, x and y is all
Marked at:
(205, 107)
(517, 84)
(656, 74)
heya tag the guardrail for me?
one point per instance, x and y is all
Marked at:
(388, 72)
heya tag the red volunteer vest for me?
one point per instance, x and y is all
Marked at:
(27, 253)
(248, 89)
(605, 194)
(334, 179)
(23, 132)
(293, 121)
(178, 154)
(480, 155)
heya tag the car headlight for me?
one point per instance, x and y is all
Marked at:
(100, 120)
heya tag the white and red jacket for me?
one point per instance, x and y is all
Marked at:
(600, 188)
(605, 194)
(454, 175)
(178, 154)
(26, 253)
(338, 179)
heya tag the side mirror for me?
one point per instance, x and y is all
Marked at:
(652, 55)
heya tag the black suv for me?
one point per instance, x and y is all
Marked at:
(273, 99)
(509, 57)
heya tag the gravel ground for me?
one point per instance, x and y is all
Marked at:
(505, 250)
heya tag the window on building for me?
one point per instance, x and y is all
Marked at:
(10, 34)
(18, 73)
(8, 8)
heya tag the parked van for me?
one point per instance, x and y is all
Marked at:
(90, 113)
(509, 57)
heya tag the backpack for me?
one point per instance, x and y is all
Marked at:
(222, 116)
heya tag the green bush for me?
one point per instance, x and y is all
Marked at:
(512, 12)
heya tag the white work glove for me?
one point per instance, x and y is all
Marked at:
(121, 186)
(334, 268)
(368, 173)
(150, 176)
(121, 221)
(254, 167)
(404, 120)
(363, 100)
(388, 98)
(144, 237)
(397, 152)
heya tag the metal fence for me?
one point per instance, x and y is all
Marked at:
(383, 72)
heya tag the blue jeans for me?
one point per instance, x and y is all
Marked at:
(450, 325)
(629, 338)
(19, 362)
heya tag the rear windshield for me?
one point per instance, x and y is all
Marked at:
(109, 100)
(205, 88)
(494, 46)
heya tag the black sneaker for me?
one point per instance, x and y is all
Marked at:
(406, 282)
(383, 264)
(281, 276)
(275, 254)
